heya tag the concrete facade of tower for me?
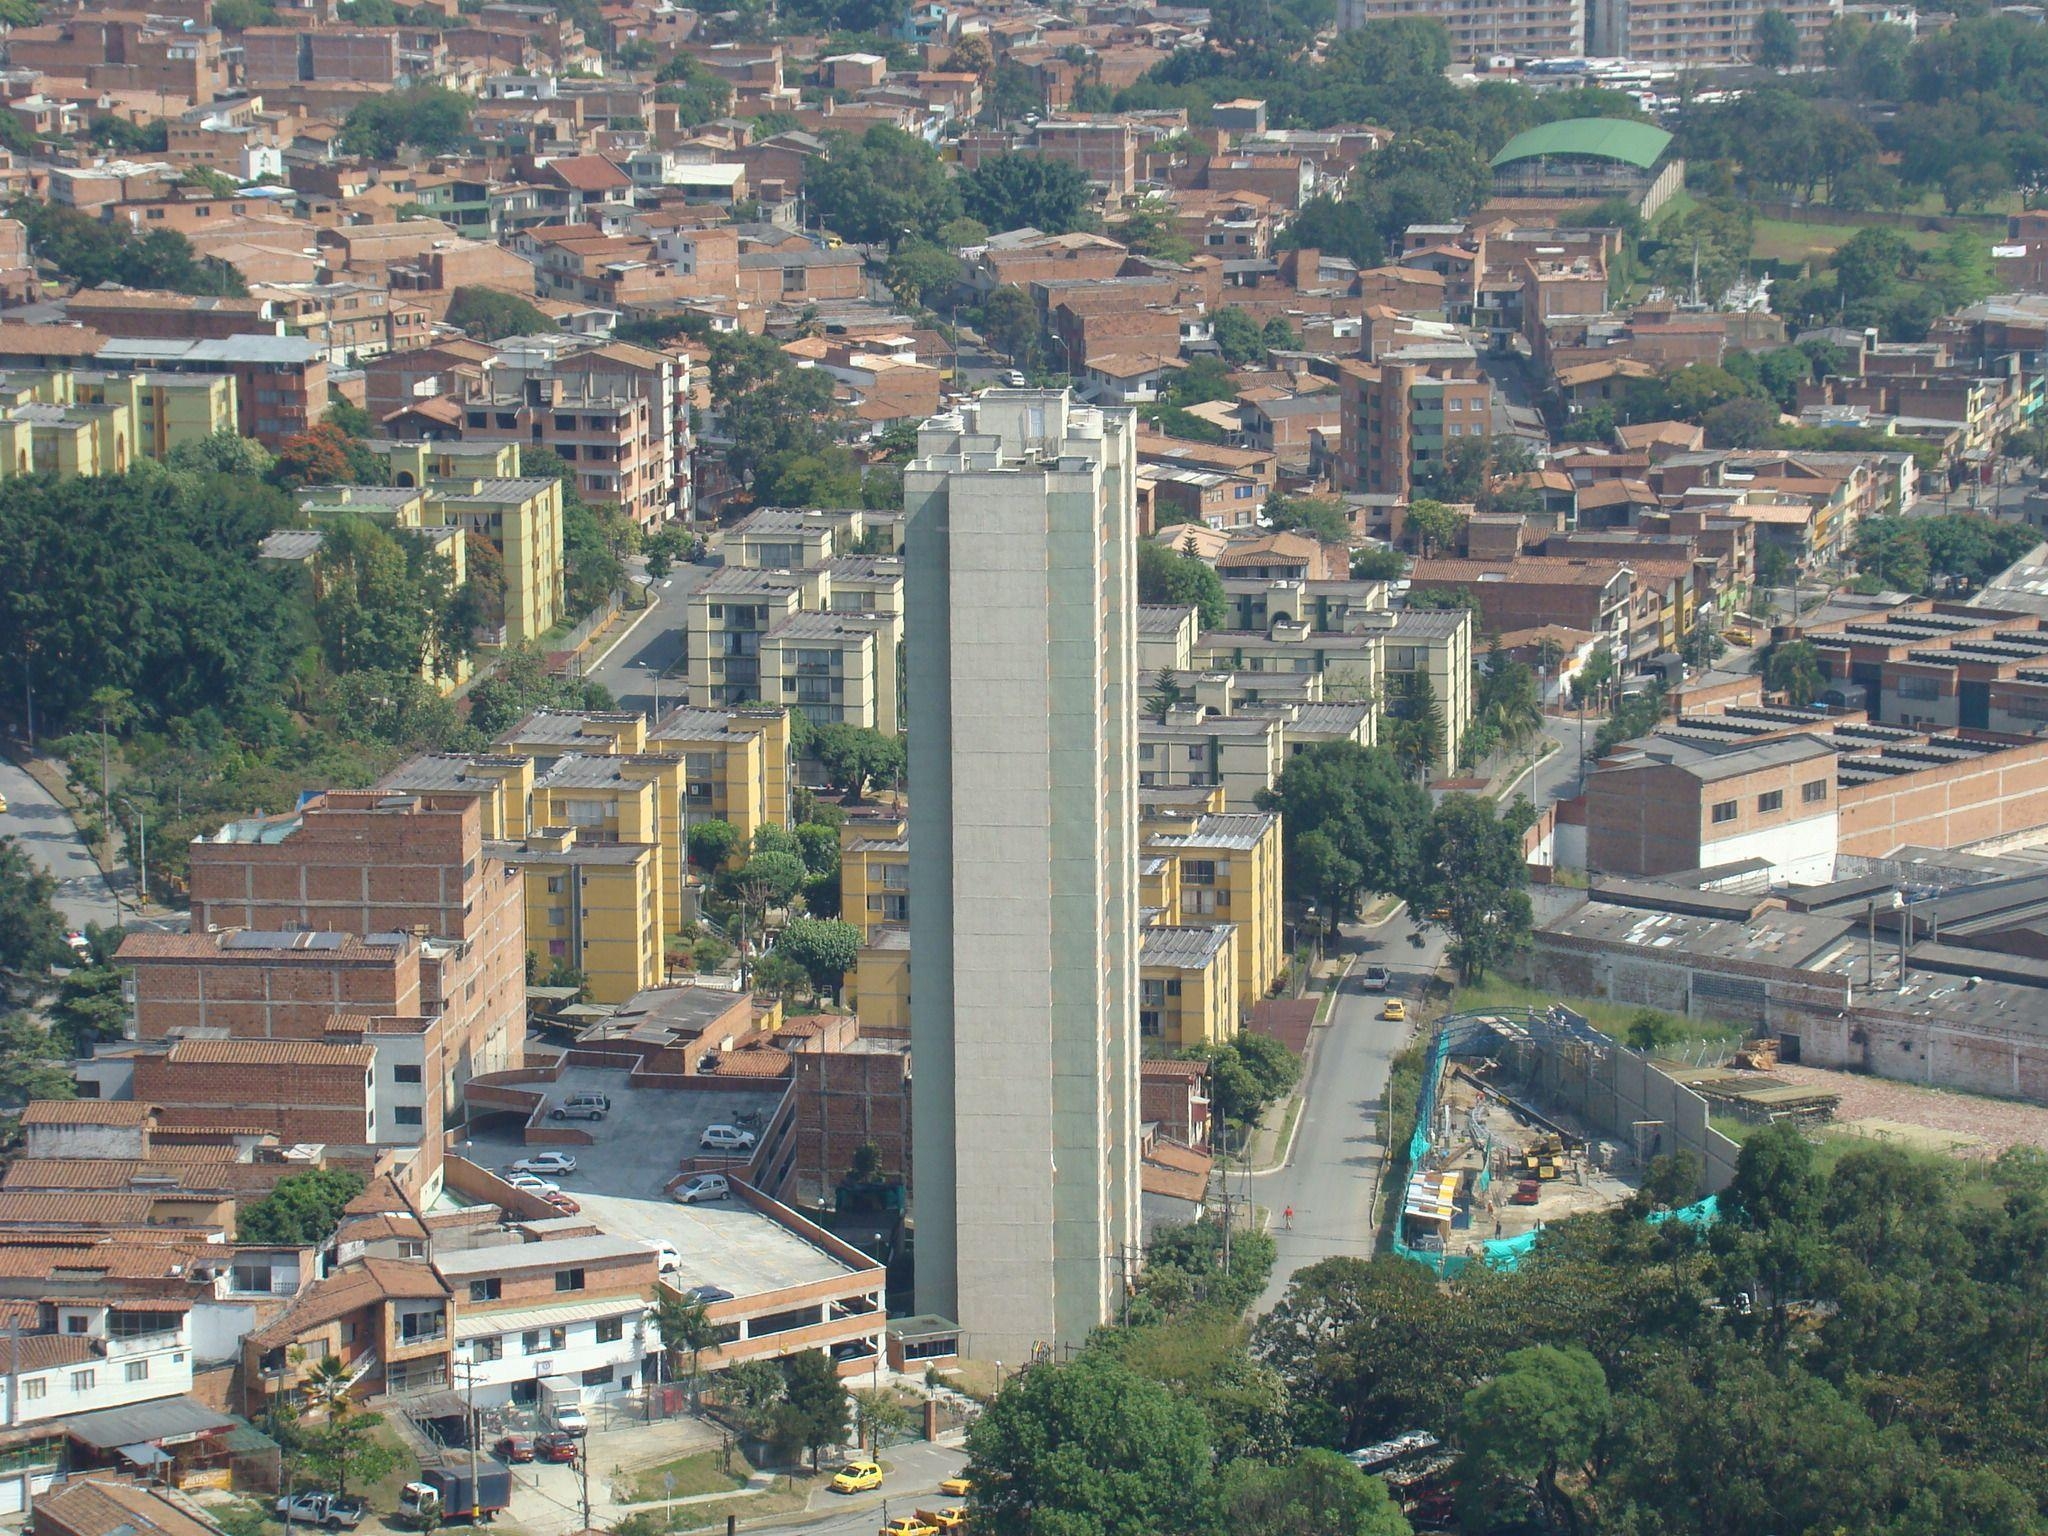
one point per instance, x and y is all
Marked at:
(1021, 605)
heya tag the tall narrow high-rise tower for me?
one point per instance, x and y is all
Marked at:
(1021, 602)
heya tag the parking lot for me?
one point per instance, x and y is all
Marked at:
(621, 1181)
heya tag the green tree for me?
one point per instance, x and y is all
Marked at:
(826, 950)
(376, 602)
(89, 1010)
(1165, 576)
(778, 876)
(1777, 40)
(711, 843)
(1532, 1425)
(1151, 229)
(29, 1068)
(1415, 724)
(812, 1393)
(347, 1451)
(1318, 1493)
(487, 314)
(1010, 322)
(31, 931)
(1345, 1339)
(1379, 563)
(1352, 823)
(428, 117)
(1792, 667)
(1011, 191)
(1238, 335)
(1340, 228)
(1089, 1446)
(1434, 528)
(303, 1208)
(855, 757)
(1472, 866)
(1320, 517)
(878, 1416)
(881, 186)
(684, 1325)
(921, 273)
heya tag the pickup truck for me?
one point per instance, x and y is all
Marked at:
(330, 1511)
(1376, 978)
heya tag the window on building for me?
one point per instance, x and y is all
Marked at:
(482, 1350)
(541, 1341)
(82, 1381)
(610, 1329)
(405, 1114)
(74, 1323)
(1725, 811)
(1771, 800)
(554, 885)
(1814, 793)
(34, 1388)
(598, 1376)
(568, 1279)
(485, 1290)
(136, 1370)
(405, 1073)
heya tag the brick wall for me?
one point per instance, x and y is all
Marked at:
(301, 1102)
(842, 1099)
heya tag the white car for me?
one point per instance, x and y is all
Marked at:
(1015, 379)
(666, 1256)
(572, 1421)
(545, 1162)
(532, 1185)
(726, 1138)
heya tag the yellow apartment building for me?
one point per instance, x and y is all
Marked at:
(1187, 987)
(874, 870)
(1228, 872)
(827, 640)
(67, 422)
(737, 764)
(593, 906)
(479, 488)
(167, 409)
(880, 989)
(705, 765)
(501, 785)
(801, 539)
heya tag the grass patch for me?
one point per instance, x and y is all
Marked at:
(1614, 1018)
(1804, 240)
(787, 1496)
(1969, 1178)
(686, 1477)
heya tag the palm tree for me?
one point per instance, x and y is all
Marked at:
(684, 1324)
(326, 1385)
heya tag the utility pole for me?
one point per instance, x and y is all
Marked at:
(583, 1468)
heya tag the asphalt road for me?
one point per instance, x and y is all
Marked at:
(44, 830)
(1333, 1169)
(914, 1470)
(1555, 777)
(653, 649)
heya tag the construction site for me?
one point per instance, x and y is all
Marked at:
(1496, 1156)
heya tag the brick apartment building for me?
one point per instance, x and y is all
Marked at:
(360, 862)
(1398, 417)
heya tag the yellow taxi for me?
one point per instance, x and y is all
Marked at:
(942, 1520)
(956, 1487)
(1395, 1009)
(905, 1525)
(857, 1477)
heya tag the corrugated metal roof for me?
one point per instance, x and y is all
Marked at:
(482, 1325)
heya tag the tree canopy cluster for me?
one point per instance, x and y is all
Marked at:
(1955, 554)
(1357, 823)
(89, 251)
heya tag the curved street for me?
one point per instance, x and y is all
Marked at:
(45, 831)
(1331, 1175)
